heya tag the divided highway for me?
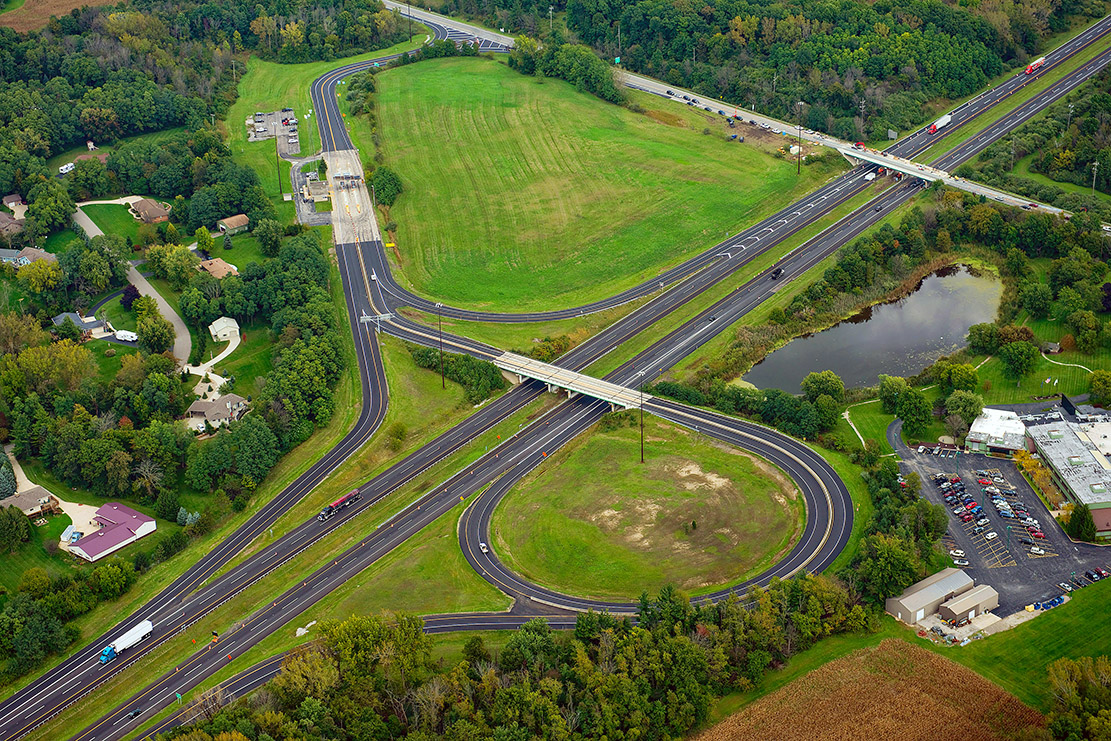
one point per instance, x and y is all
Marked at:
(513, 459)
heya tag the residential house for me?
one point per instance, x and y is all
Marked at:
(12, 200)
(34, 254)
(223, 329)
(150, 211)
(119, 526)
(234, 224)
(9, 225)
(85, 324)
(218, 268)
(33, 502)
(216, 412)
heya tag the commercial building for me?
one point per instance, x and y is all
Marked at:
(119, 526)
(223, 329)
(234, 224)
(1077, 458)
(996, 431)
(216, 412)
(975, 601)
(923, 599)
(150, 211)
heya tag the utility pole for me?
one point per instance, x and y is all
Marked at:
(278, 162)
(1012, 153)
(775, 79)
(798, 157)
(551, 23)
(1095, 168)
(409, 12)
(861, 105)
(1069, 124)
(619, 38)
(440, 322)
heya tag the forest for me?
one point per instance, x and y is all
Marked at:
(861, 68)
(372, 677)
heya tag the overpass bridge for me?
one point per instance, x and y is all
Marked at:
(573, 383)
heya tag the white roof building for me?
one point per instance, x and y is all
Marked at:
(996, 431)
(223, 329)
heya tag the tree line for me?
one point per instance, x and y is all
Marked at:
(861, 68)
(480, 379)
(373, 676)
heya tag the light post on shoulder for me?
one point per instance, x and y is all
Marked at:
(639, 375)
(798, 157)
(440, 324)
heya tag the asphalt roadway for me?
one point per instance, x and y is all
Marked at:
(295, 600)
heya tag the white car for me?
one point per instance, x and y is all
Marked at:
(960, 562)
(483, 547)
(956, 553)
(991, 536)
(1037, 551)
(921, 448)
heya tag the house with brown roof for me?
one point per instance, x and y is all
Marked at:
(9, 225)
(13, 200)
(33, 502)
(150, 211)
(218, 268)
(216, 412)
(234, 224)
(34, 254)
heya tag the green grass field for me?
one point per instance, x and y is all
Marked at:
(11, 5)
(113, 218)
(521, 195)
(33, 554)
(594, 521)
(252, 360)
(1022, 169)
(245, 249)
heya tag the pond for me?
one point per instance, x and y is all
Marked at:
(899, 338)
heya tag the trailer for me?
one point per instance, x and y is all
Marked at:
(1035, 65)
(345, 501)
(136, 635)
(941, 123)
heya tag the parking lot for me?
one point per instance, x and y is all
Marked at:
(1028, 557)
(280, 125)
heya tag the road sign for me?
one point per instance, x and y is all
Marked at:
(617, 60)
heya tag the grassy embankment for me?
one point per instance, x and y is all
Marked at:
(522, 195)
(696, 515)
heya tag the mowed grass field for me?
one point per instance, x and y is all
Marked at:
(895, 689)
(113, 218)
(521, 195)
(594, 521)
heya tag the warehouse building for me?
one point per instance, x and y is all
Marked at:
(996, 431)
(975, 601)
(1077, 458)
(923, 599)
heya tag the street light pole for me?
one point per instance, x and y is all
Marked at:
(409, 12)
(440, 323)
(798, 157)
(639, 375)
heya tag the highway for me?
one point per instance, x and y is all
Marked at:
(523, 452)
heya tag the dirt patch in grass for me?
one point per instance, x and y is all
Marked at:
(893, 690)
(35, 13)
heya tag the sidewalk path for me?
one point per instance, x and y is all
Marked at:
(183, 343)
(206, 368)
(1067, 365)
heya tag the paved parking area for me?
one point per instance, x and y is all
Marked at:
(1004, 561)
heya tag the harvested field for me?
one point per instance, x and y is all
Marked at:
(893, 690)
(34, 14)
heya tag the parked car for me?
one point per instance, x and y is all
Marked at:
(1065, 585)
(1038, 535)
(956, 553)
(966, 517)
(1026, 541)
(921, 448)
(991, 536)
(1037, 551)
(960, 562)
(1103, 574)
(958, 510)
(982, 521)
(978, 529)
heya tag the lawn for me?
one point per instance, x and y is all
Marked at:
(58, 241)
(521, 195)
(153, 137)
(251, 361)
(33, 554)
(109, 366)
(697, 514)
(1022, 169)
(269, 86)
(120, 317)
(114, 218)
(245, 249)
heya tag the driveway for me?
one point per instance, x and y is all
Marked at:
(183, 343)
